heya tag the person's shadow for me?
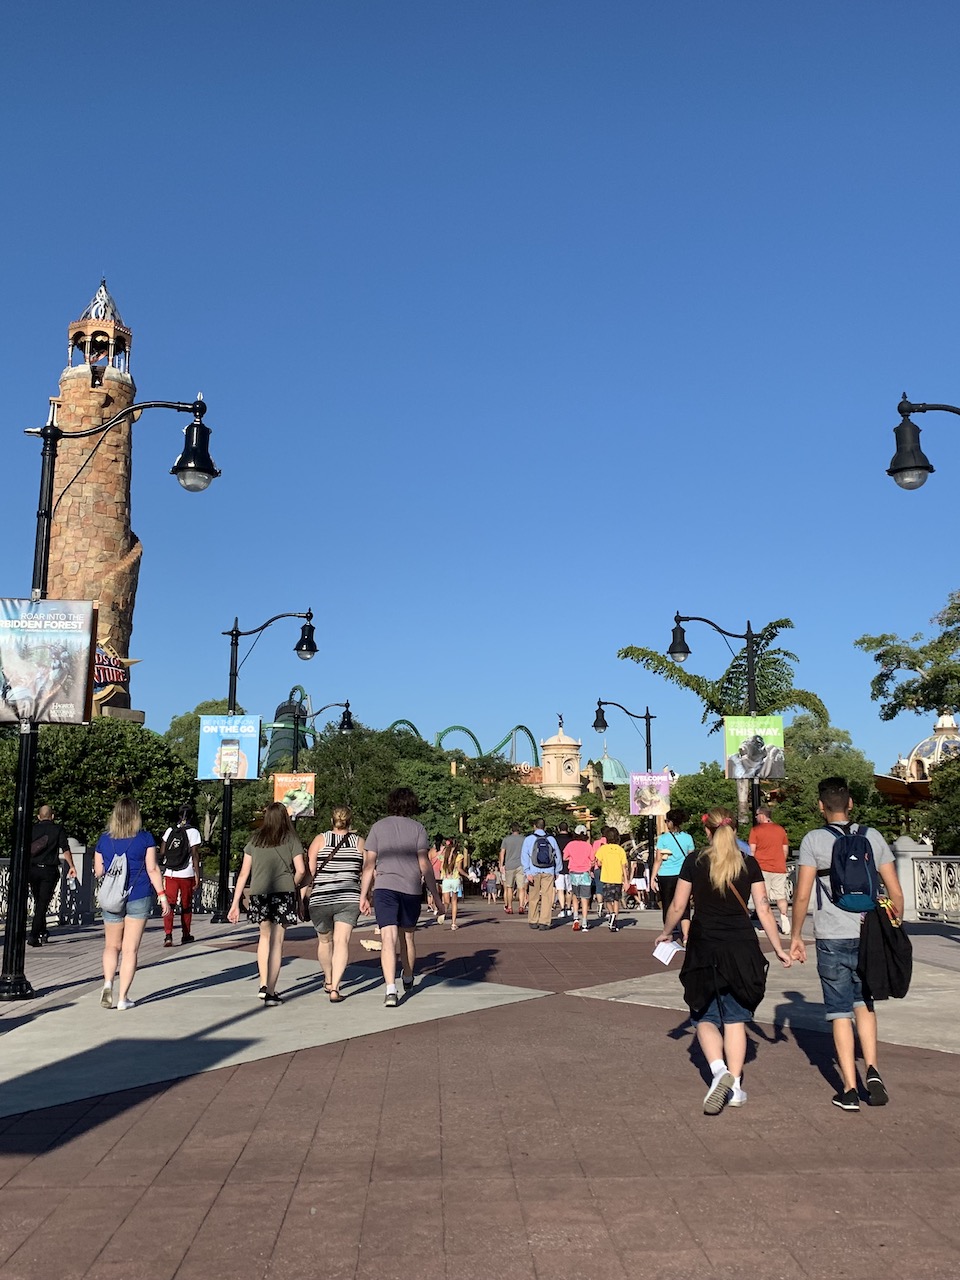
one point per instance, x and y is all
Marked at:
(810, 1031)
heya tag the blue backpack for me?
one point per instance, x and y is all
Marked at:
(543, 852)
(854, 882)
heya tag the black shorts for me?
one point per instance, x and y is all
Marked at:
(668, 887)
(393, 908)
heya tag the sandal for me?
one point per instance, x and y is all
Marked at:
(335, 996)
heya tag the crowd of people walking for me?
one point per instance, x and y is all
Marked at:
(713, 902)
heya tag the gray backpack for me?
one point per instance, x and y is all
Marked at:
(115, 887)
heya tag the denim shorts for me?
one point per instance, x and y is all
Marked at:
(133, 909)
(727, 1005)
(837, 967)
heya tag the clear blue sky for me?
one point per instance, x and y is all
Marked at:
(522, 323)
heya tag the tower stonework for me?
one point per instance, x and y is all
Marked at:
(94, 555)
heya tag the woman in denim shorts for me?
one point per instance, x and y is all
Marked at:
(123, 929)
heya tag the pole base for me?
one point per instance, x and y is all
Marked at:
(14, 986)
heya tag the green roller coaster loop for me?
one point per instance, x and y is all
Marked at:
(518, 728)
(459, 728)
(405, 724)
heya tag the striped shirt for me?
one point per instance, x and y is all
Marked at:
(338, 881)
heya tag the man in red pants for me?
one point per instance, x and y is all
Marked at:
(181, 873)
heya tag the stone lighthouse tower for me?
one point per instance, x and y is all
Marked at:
(94, 555)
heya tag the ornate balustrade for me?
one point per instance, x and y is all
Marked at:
(936, 883)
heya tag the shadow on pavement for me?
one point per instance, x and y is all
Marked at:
(806, 1024)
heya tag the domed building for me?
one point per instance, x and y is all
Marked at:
(908, 782)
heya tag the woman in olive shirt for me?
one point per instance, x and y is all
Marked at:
(273, 864)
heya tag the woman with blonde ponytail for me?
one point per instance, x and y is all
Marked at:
(724, 972)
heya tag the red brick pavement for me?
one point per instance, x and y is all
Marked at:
(562, 1137)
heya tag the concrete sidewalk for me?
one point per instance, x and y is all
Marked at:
(532, 1110)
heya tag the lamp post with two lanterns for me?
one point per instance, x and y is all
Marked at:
(194, 470)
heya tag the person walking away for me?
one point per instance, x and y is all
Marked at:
(511, 870)
(273, 865)
(540, 856)
(611, 858)
(489, 885)
(672, 848)
(564, 898)
(48, 844)
(453, 864)
(334, 867)
(123, 928)
(580, 859)
(837, 933)
(770, 844)
(724, 972)
(397, 853)
(180, 861)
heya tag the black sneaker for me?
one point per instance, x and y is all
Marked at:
(187, 937)
(271, 1000)
(846, 1100)
(878, 1094)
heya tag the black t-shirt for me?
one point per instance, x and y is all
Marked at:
(47, 855)
(711, 906)
(563, 839)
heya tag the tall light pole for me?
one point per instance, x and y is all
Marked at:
(910, 466)
(600, 724)
(195, 470)
(305, 648)
(679, 651)
(300, 717)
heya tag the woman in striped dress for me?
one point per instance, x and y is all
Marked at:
(335, 861)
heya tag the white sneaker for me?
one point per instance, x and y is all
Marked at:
(785, 926)
(738, 1097)
(126, 1004)
(718, 1095)
(106, 997)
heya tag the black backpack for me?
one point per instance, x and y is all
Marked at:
(176, 850)
(543, 852)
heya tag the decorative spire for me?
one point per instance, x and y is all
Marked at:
(102, 306)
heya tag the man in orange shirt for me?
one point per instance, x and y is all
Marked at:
(770, 844)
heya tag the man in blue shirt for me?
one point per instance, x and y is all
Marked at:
(540, 858)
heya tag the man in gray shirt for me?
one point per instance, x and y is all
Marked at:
(838, 940)
(511, 869)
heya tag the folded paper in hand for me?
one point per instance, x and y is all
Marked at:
(665, 951)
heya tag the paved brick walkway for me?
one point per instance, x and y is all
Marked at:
(559, 1137)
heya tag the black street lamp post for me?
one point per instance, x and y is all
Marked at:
(305, 648)
(679, 651)
(600, 724)
(346, 725)
(195, 470)
(910, 466)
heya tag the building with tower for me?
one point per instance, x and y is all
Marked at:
(560, 766)
(94, 554)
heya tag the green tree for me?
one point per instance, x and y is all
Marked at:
(492, 819)
(940, 817)
(82, 770)
(727, 696)
(698, 793)
(916, 674)
(815, 751)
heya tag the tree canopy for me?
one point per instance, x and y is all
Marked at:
(939, 818)
(916, 674)
(82, 770)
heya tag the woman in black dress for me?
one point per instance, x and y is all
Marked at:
(724, 972)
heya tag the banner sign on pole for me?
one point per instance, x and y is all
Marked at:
(229, 747)
(649, 794)
(46, 659)
(753, 746)
(296, 792)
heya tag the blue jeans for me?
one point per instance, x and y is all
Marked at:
(837, 967)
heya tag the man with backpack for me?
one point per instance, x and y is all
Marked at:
(843, 865)
(541, 861)
(180, 863)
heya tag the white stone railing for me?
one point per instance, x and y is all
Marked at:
(936, 883)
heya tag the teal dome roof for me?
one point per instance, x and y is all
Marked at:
(614, 774)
